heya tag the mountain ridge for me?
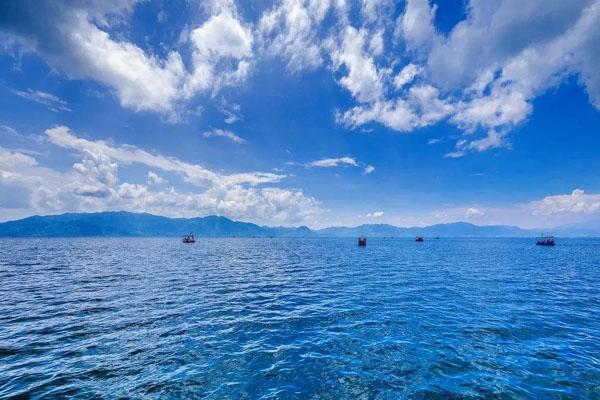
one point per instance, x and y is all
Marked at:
(122, 223)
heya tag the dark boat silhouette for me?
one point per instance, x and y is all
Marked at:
(545, 241)
(419, 239)
(189, 239)
(362, 241)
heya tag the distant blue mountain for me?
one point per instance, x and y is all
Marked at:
(581, 229)
(456, 229)
(136, 224)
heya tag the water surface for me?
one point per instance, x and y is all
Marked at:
(299, 318)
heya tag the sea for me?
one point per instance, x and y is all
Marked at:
(299, 318)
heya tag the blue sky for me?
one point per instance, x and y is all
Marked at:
(296, 112)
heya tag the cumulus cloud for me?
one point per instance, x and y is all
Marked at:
(473, 212)
(483, 76)
(224, 134)
(363, 80)
(421, 107)
(218, 42)
(93, 184)
(291, 30)
(155, 179)
(577, 202)
(415, 25)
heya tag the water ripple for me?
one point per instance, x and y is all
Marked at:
(299, 318)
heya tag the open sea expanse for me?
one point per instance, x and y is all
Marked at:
(299, 318)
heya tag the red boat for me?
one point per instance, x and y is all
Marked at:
(362, 241)
(419, 239)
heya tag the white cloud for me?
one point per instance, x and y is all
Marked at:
(368, 169)
(332, 162)
(483, 76)
(486, 72)
(93, 185)
(231, 111)
(291, 30)
(155, 179)
(577, 202)
(376, 11)
(548, 212)
(51, 101)
(375, 214)
(408, 73)
(142, 81)
(415, 25)
(363, 79)
(222, 37)
(455, 154)
(421, 107)
(224, 134)
(193, 173)
(473, 212)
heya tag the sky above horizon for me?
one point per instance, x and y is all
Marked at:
(292, 112)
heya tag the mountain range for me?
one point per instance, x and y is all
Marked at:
(122, 223)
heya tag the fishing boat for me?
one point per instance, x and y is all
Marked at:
(362, 241)
(419, 239)
(545, 241)
(189, 239)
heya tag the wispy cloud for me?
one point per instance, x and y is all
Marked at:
(51, 101)
(332, 162)
(375, 214)
(224, 134)
(368, 169)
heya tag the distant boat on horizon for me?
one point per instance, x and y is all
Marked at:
(545, 241)
(189, 239)
(419, 239)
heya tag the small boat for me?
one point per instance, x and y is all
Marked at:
(419, 239)
(362, 241)
(189, 239)
(545, 241)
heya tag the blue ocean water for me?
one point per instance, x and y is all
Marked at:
(299, 318)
